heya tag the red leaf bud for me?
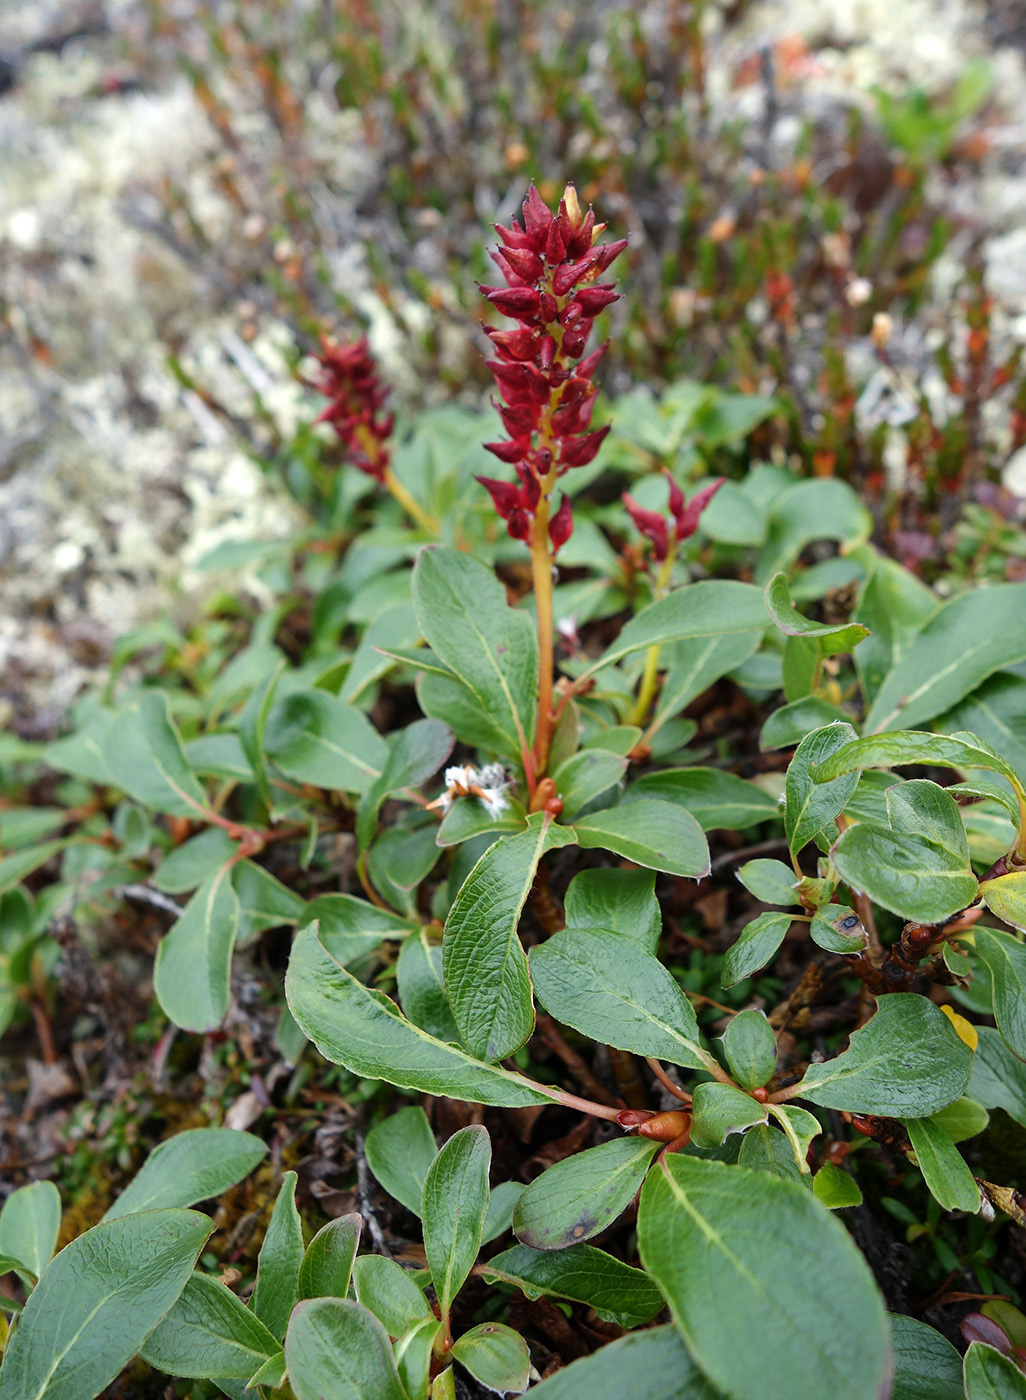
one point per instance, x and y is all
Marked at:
(519, 420)
(521, 303)
(530, 491)
(608, 254)
(514, 237)
(591, 300)
(664, 1127)
(506, 451)
(548, 311)
(537, 217)
(561, 526)
(651, 525)
(524, 262)
(565, 277)
(512, 278)
(578, 452)
(505, 496)
(590, 363)
(555, 244)
(581, 241)
(518, 345)
(546, 352)
(676, 497)
(575, 339)
(687, 520)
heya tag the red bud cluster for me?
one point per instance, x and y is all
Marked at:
(551, 265)
(349, 378)
(680, 524)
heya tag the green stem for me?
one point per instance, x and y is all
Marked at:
(650, 676)
(412, 508)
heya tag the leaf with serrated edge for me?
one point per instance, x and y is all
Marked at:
(607, 987)
(583, 1195)
(364, 1030)
(906, 1060)
(768, 1290)
(453, 1210)
(485, 966)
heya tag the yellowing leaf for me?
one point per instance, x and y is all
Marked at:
(965, 1029)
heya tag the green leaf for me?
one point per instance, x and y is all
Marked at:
(327, 1265)
(1006, 897)
(583, 1274)
(335, 1347)
(962, 1119)
(966, 640)
(219, 755)
(417, 752)
(834, 638)
(198, 859)
(196, 1165)
(907, 874)
(585, 776)
(810, 807)
(362, 1029)
(485, 966)
(399, 1151)
(894, 605)
(582, 1195)
(655, 834)
(999, 1077)
(692, 666)
(502, 1201)
(926, 1365)
(142, 751)
(97, 1302)
(209, 1332)
(719, 1110)
(767, 1289)
(350, 928)
(766, 1149)
(281, 1257)
(463, 613)
(264, 902)
(622, 901)
(414, 1353)
(422, 987)
(769, 880)
(1005, 956)
(800, 664)
(835, 1187)
(750, 1048)
(822, 509)
(29, 1225)
(649, 1365)
(192, 974)
(922, 808)
(962, 750)
(947, 1177)
(317, 738)
(713, 608)
(996, 711)
(445, 698)
(495, 1355)
(14, 868)
(990, 1376)
(607, 987)
(468, 817)
(907, 1060)
(390, 1293)
(790, 724)
(755, 947)
(838, 929)
(25, 826)
(453, 1210)
(718, 801)
(253, 728)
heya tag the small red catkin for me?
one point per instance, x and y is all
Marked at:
(349, 379)
(550, 263)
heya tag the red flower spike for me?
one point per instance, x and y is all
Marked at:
(651, 525)
(547, 399)
(348, 377)
(561, 526)
(687, 519)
